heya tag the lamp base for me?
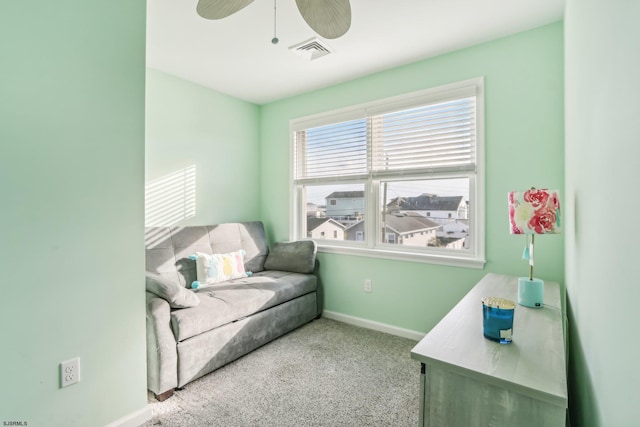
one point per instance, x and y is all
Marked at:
(530, 292)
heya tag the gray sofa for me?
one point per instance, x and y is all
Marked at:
(193, 332)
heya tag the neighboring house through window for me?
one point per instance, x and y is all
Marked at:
(323, 228)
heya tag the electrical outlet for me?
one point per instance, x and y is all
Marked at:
(70, 372)
(367, 285)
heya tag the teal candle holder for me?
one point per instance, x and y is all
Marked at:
(497, 319)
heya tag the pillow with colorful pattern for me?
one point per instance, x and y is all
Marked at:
(217, 268)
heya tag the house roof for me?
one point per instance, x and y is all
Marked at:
(313, 222)
(462, 221)
(426, 202)
(403, 224)
(345, 195)
(409, 224)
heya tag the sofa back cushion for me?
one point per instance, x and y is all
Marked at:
(167, 249)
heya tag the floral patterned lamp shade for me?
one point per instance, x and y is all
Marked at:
(534, 211)
(531, 212)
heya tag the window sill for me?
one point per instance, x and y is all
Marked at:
(449, 260)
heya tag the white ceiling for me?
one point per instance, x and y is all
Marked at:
(235, 55)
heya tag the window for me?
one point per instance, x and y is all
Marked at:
(402, 176)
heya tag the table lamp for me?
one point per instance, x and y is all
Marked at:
(531, 212)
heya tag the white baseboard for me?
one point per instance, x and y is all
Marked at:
(134, 419)
(376, 326)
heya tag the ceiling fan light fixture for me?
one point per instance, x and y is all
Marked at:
(330, 19)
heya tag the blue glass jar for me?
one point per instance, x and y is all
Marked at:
(497, 319)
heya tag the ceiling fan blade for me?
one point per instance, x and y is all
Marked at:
(218, 9)
(329, 18)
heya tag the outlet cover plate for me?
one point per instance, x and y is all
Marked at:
(69, 372)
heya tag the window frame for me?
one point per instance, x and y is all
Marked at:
(375, 247)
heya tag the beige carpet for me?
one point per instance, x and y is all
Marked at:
(326, 373)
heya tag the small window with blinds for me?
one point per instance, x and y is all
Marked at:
(396, 178)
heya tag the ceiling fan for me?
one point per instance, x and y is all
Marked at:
(329, 18)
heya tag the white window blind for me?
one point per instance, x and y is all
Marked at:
(426, 137)
(333, 150)
(432, 137)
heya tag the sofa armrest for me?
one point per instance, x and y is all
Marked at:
(162, 353)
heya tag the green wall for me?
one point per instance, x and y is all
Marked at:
(602, 57)
(524, 147)
(189, 125)
(71, 183)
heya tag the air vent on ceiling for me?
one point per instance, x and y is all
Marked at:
(311, 49)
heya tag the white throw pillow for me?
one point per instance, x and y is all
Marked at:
(220, 267)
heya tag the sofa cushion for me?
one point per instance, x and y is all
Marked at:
(222, 303)
(297, 257)
(217, 268)
(249, 236)
(171, 291)
(168, 248)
